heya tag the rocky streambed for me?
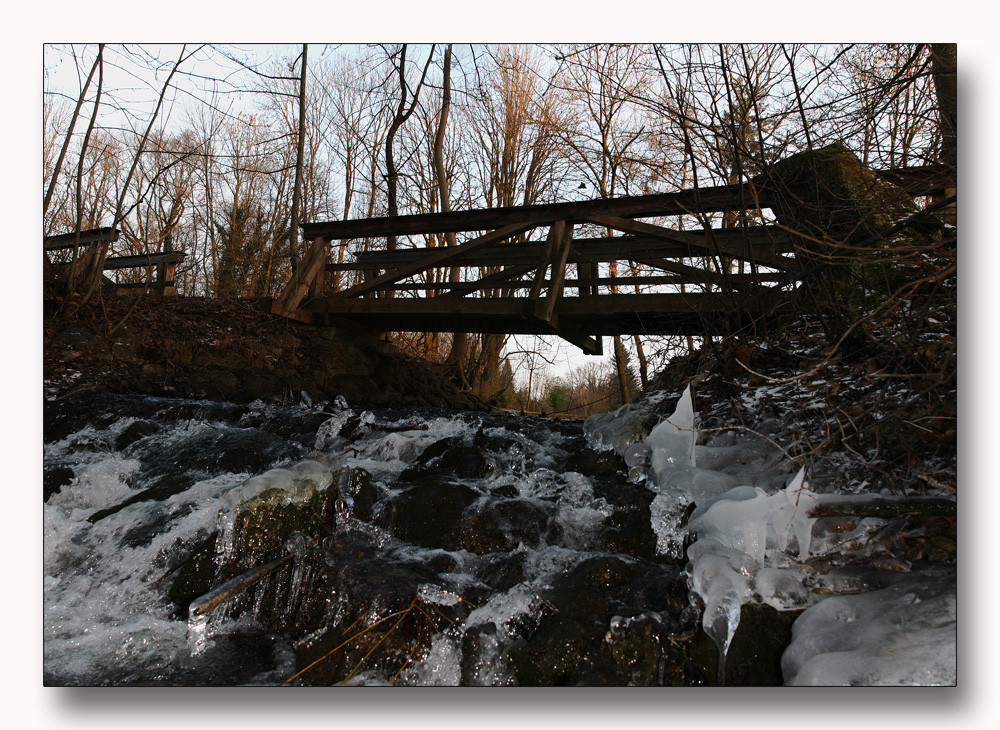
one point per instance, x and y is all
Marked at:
(198, 542)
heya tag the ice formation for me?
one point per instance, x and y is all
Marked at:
(298, 482)
(753, 535)
(901, 635)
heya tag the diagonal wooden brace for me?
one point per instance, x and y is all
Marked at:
(697, 243)
(313, 265)
(447, 255)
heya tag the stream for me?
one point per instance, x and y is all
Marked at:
(200, 543)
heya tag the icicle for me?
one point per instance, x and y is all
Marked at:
(201, 607)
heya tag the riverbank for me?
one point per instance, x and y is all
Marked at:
(192, 347)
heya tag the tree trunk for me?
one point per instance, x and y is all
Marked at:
(293, 226)
(945, 71)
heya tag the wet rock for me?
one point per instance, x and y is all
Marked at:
(428, 513)
(642, 650)
(353, 494)
(594, 463)
(54, 478)
(194, 576)
(467, 462)
(483, 664)
(134, 431)
(629, 532)
(502, 571)
(754, 656)
(377, 623)
(503, 525)
(570, 645)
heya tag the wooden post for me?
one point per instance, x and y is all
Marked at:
(168, 280)
(318, 279)
(545, 309)
(586, 274)
(302, 280)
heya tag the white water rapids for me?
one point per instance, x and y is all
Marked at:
(108, 621)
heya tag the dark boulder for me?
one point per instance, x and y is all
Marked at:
(428, 513)
(503, 525)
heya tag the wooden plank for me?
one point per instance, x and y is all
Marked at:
(112, 263)
(706, 200)
(606, 304)
(68, 240)
(762, 241)
(507, 279)
(704, 242)
(556, 231)
(586, 278)
(461, 288)
(689, 273)
(605, 315)
(887, 506)
(443, 255)
(545, 308)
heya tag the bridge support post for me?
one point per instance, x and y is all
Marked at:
(311, 268)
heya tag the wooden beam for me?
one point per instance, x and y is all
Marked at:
(461, 288)
(756, 242)
(704, 242)
(705, 200)
(544, 309)
(507, 279)
(556, 231)
(690, 273)
(605, 315)
(68, 240)
(112, 263)
(308, 269)
(442, 255)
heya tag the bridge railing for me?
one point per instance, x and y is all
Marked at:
(159, 267)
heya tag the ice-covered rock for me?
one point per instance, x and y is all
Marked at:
(620, 429)
(901, 635)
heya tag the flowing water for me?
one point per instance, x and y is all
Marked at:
(135, 484)
(443, 548)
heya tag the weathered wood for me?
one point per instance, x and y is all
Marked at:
(921, 179)
(587, 279)
(153, 259)
(605, 315)
(509, 279)
(548, 251)
(68, 240)
(706, 243)
(706, 200)
(461, 288)
(311, 266)
(112, 263)
(756, 242)
(545, 309)
(449, 254)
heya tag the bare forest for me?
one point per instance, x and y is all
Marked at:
(222, 152)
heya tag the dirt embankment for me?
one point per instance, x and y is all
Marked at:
(232, 350)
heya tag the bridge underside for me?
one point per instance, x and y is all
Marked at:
(580, 320)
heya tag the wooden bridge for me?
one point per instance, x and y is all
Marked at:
(159, 267)
(525, 284)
